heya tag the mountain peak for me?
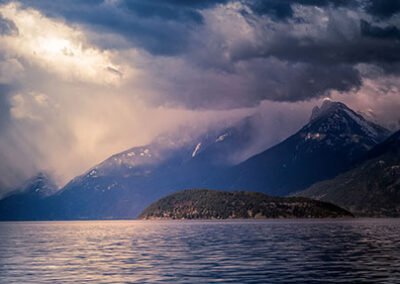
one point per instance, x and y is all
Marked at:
(334, 120)
(41, 184)
(328, 106)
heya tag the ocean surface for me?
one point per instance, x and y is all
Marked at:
(287, 251)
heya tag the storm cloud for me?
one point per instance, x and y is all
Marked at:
(81, 80)
(219, 42)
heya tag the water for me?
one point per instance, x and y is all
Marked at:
(289, 251)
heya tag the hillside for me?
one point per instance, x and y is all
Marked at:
(125, 183)
(372, 188)
(213, 204)
(30, 200)
(329, 144)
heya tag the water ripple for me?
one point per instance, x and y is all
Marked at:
(288, 251)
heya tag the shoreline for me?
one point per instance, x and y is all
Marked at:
(242, 220)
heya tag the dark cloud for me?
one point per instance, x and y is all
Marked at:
(161, 10)
(7, 27)
(343, 41)
(282, 9)
(172, 10)
(4, 106)
(257, 80)
(372, 48)
(388, 32)
(166, 27)
(324, 3)
(276, 8)
(383, 8)
(319, 46)
(160, 27)
(301, 81)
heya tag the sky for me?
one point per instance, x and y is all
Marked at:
(81, 80)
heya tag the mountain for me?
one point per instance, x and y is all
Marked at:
(213, 204)
(29, 201)
(122, 185)
(372, 188)
(334, 139)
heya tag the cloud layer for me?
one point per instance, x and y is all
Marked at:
(81, 80)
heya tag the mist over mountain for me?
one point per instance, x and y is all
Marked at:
(122, 185)
(30, 201)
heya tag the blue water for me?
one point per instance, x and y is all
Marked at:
(289, 251)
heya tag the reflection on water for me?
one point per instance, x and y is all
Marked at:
(290, 251)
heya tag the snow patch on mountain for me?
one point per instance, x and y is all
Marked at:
(365, 125)
(131, 154)
(93, 173)
(315, 136)
(196, 149)
(222, 137)
(40, 184)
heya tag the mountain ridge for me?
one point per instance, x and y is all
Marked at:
(332, 141)
(122, 185)
(29, 201)
(371, 188)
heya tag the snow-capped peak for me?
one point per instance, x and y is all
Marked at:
(327, 106)
(341, 123)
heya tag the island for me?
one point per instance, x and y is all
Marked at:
(215, 204)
